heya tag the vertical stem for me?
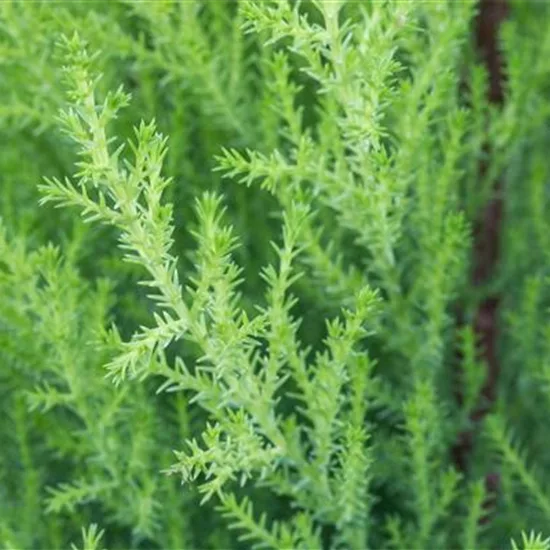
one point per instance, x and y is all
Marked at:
(487, 241)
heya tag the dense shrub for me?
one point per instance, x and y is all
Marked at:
(240, 285)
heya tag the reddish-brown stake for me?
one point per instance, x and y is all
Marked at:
(486, 247)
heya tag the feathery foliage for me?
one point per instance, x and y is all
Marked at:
(237, 276)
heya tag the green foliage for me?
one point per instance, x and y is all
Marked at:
(532, 542)
(234, 240)
(91, 538)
